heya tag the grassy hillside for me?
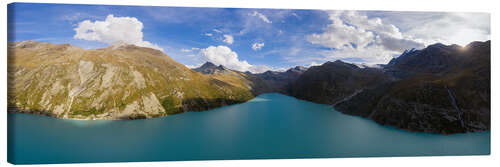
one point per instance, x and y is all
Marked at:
(118, 82)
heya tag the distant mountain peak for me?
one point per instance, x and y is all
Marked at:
(340, 63)
(211, 68)
(478, 43)
(437, 45)
(208, 65)
(297, 69)
(221, 67)
(435, 58)
(301, 68)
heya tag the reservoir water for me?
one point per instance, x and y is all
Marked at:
(267, 127)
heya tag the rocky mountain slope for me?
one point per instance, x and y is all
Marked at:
(280, 81)
(269, 81)
(118, 82)
(244, 80)
(336, 81)
(439, 89)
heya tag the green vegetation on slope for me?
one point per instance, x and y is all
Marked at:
(118, 82)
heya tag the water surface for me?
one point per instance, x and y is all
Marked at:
(269, 126)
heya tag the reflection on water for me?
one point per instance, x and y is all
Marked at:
(277, 126)
(258, 99)
(85, 123)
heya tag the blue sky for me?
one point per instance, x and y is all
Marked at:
(247, 39)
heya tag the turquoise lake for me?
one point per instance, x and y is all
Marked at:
(267, 127)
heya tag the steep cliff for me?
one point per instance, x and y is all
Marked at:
(440, 89)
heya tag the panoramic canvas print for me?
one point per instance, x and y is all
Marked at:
(104, 83)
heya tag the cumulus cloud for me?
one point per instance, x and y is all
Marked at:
(257, 46)
(340, 35)
(373, 37)
(352, 29)
(356, 36)
(228, 39)
(261, 16)
(114, 30)
(223, 55)
(447, 28)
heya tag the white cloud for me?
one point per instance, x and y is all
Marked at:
(189, 50)
(228, 39)
(260, 69)
(114, 30)
(186, 50)
(447, 28)
(77, 17)
(313, 64)
(209, 34)
(223, 55)
(351, 27)
(280, 69)
(193, 66)
(257, 46)
(372, 54)
(254, 21)
(340, 35)
(379, 35)
(217, 31)
(261, 16)
(356, 36)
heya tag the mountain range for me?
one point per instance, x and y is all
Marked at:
(439, 89)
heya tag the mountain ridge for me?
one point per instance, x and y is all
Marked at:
(444, 89)
(438, 89)
(126, 82)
